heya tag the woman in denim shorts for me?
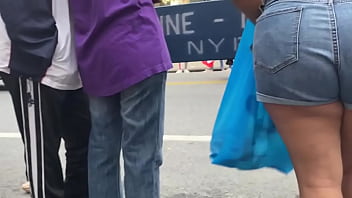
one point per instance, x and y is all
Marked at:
(303, 66)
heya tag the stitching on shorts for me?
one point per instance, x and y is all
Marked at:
(335, 38)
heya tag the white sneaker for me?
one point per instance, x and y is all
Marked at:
(178, 71)
(186, 71)
(26, 187)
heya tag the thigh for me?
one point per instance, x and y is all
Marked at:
(51, 100)
(51, 104)
(346, 138)
(76, 128)
(106, 123)
(41, 140)
(142, 110)
(75, 118)
(105, 146)
(312, 135)
(344, 24)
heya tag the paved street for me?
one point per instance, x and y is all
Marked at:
(192, 103)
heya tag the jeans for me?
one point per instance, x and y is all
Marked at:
(131, 121)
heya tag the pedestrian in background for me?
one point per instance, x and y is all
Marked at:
(183, 69)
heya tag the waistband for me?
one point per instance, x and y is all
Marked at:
(266, 2)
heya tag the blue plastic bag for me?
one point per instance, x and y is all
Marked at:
(244, 135)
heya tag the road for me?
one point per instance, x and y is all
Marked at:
(191, 105)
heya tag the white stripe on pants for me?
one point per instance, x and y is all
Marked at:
(33, 135)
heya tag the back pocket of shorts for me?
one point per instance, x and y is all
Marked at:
(276, 38)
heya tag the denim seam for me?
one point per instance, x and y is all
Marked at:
(334, 35)
(158, 146)
(298, 32)
(159, 140)
(278, 12)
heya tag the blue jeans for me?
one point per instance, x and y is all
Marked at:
(131, 121)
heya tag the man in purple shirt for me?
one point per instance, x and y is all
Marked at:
(123, 59)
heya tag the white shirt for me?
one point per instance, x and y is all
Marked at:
(63, 74)
(4, 48)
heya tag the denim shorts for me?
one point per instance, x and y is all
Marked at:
(303, 52)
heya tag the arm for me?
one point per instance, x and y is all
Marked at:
(251, 8)
(33, 34)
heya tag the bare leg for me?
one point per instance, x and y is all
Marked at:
(347, 154)
(312, 135)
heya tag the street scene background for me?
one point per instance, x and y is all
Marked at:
(192, 101)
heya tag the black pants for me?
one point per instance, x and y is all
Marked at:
(45, 116)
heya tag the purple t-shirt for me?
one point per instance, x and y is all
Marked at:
(119, 43)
